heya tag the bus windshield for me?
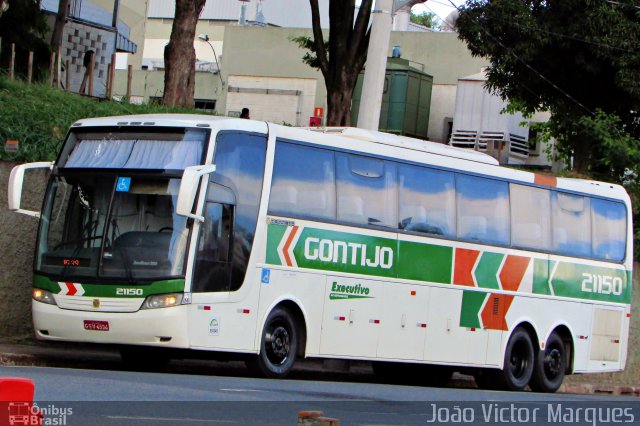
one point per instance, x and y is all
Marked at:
(93, 228)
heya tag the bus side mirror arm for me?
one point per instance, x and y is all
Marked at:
(188, 189)
(16, 181)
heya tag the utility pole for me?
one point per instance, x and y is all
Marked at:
(376, 65)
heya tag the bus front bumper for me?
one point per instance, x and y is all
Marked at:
(166, 327)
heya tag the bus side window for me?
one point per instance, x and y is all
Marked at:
(531, 217)
(427, 200)
(609, 221)
(303, 182)
(483, 209)
(571, 221)
(367, 191)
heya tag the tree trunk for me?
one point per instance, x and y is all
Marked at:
(180, 56)
(339, 106)
(582, 155)
(58, 28)
(347, 53)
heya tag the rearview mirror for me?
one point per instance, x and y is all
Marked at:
(189, 188)
(16, 180)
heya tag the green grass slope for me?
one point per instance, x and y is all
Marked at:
(38, 117)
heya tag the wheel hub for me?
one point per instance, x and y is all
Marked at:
(553, 362)
(279, 345)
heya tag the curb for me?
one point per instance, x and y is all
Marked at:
(600, 389)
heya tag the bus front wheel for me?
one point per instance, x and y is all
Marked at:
(550, 366)
(278, 345)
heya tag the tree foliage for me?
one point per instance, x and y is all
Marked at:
(341, 58)
(427, 19)
(578, 59)
(24, 25)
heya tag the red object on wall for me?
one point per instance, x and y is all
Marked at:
(315, 121)
(317, 112)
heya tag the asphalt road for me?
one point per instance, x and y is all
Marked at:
(105, 397)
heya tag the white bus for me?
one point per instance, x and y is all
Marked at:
(244, 237)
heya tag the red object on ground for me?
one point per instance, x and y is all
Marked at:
(16, 402)
(16, 389)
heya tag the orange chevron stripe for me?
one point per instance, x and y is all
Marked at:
(495, 311)
(465, 260)
(545, 180)
(285, 248)
(513, 271)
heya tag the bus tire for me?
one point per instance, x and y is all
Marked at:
(550, 366)
(518, 364)
(278, 345)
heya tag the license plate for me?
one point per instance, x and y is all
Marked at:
(96, 325)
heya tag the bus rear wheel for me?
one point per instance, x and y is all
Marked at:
(518, 365)
(550, 366)
(278, 345)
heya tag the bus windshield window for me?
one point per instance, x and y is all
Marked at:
(90, 229)
(133, 150)
(73, 225)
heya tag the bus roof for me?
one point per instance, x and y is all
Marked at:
(407, 142)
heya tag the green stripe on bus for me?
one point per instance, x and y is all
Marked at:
(425, 262)
(591, 282)
(541, 276)
(472, 302)
(109, 290)
(346, 252)
(487, 270)
(274, 236)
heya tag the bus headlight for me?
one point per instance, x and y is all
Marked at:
(43, 296)
(162, 301)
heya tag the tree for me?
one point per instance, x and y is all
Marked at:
(578, 59)
(25, 25)
(58, 28)
(180, 55)
(341, 58)
(427, 19)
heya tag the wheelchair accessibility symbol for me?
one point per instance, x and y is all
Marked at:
(266, 276)
(123, 184)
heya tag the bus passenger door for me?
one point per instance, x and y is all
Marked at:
(209, 325)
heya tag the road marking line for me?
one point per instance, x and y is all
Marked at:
(242, 390)
(169, 419)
